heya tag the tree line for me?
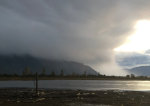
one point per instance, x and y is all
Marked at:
(28, 73)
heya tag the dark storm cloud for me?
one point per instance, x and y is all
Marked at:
(85, 31)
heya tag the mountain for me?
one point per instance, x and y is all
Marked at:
(135, 63)
(10, 64)
(133, 60)
(140, 71)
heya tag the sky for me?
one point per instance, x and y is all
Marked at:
(139, 40)
(85, 31)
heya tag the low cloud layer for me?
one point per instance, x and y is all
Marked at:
(85, 31)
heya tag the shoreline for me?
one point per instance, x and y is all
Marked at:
(62, 97)
(31, 79)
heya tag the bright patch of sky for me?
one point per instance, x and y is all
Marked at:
(139, 41)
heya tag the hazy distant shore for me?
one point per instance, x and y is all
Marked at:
(53, 97)
(69, 78)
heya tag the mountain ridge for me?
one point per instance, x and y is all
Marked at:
(16, 64)
(140, 70)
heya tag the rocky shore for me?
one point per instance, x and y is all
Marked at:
(53, 97)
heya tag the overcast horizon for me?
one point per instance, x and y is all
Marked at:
(91, 32)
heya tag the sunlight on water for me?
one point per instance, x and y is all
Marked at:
(82, 84)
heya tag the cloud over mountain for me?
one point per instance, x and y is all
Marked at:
(85, 31)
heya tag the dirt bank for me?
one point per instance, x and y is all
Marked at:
(53, 97)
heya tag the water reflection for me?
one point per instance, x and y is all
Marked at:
(82, 84)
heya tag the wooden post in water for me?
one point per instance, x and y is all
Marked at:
(36, 83)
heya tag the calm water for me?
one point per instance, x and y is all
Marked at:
(82, 84)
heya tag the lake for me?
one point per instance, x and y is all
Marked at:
(82, 84)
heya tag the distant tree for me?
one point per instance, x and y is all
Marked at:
(27, 71)
(43, 73)
(127, 76)
(99, 75)
(145, 77)
(132, 76)
(15, 75)
(73, 74)
(62, 73)
(104, 76)
(85, 74)
(53, 74)
(5, 75)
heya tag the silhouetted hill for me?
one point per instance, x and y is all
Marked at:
(10, 64)
(141, 70)
(133, 60)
